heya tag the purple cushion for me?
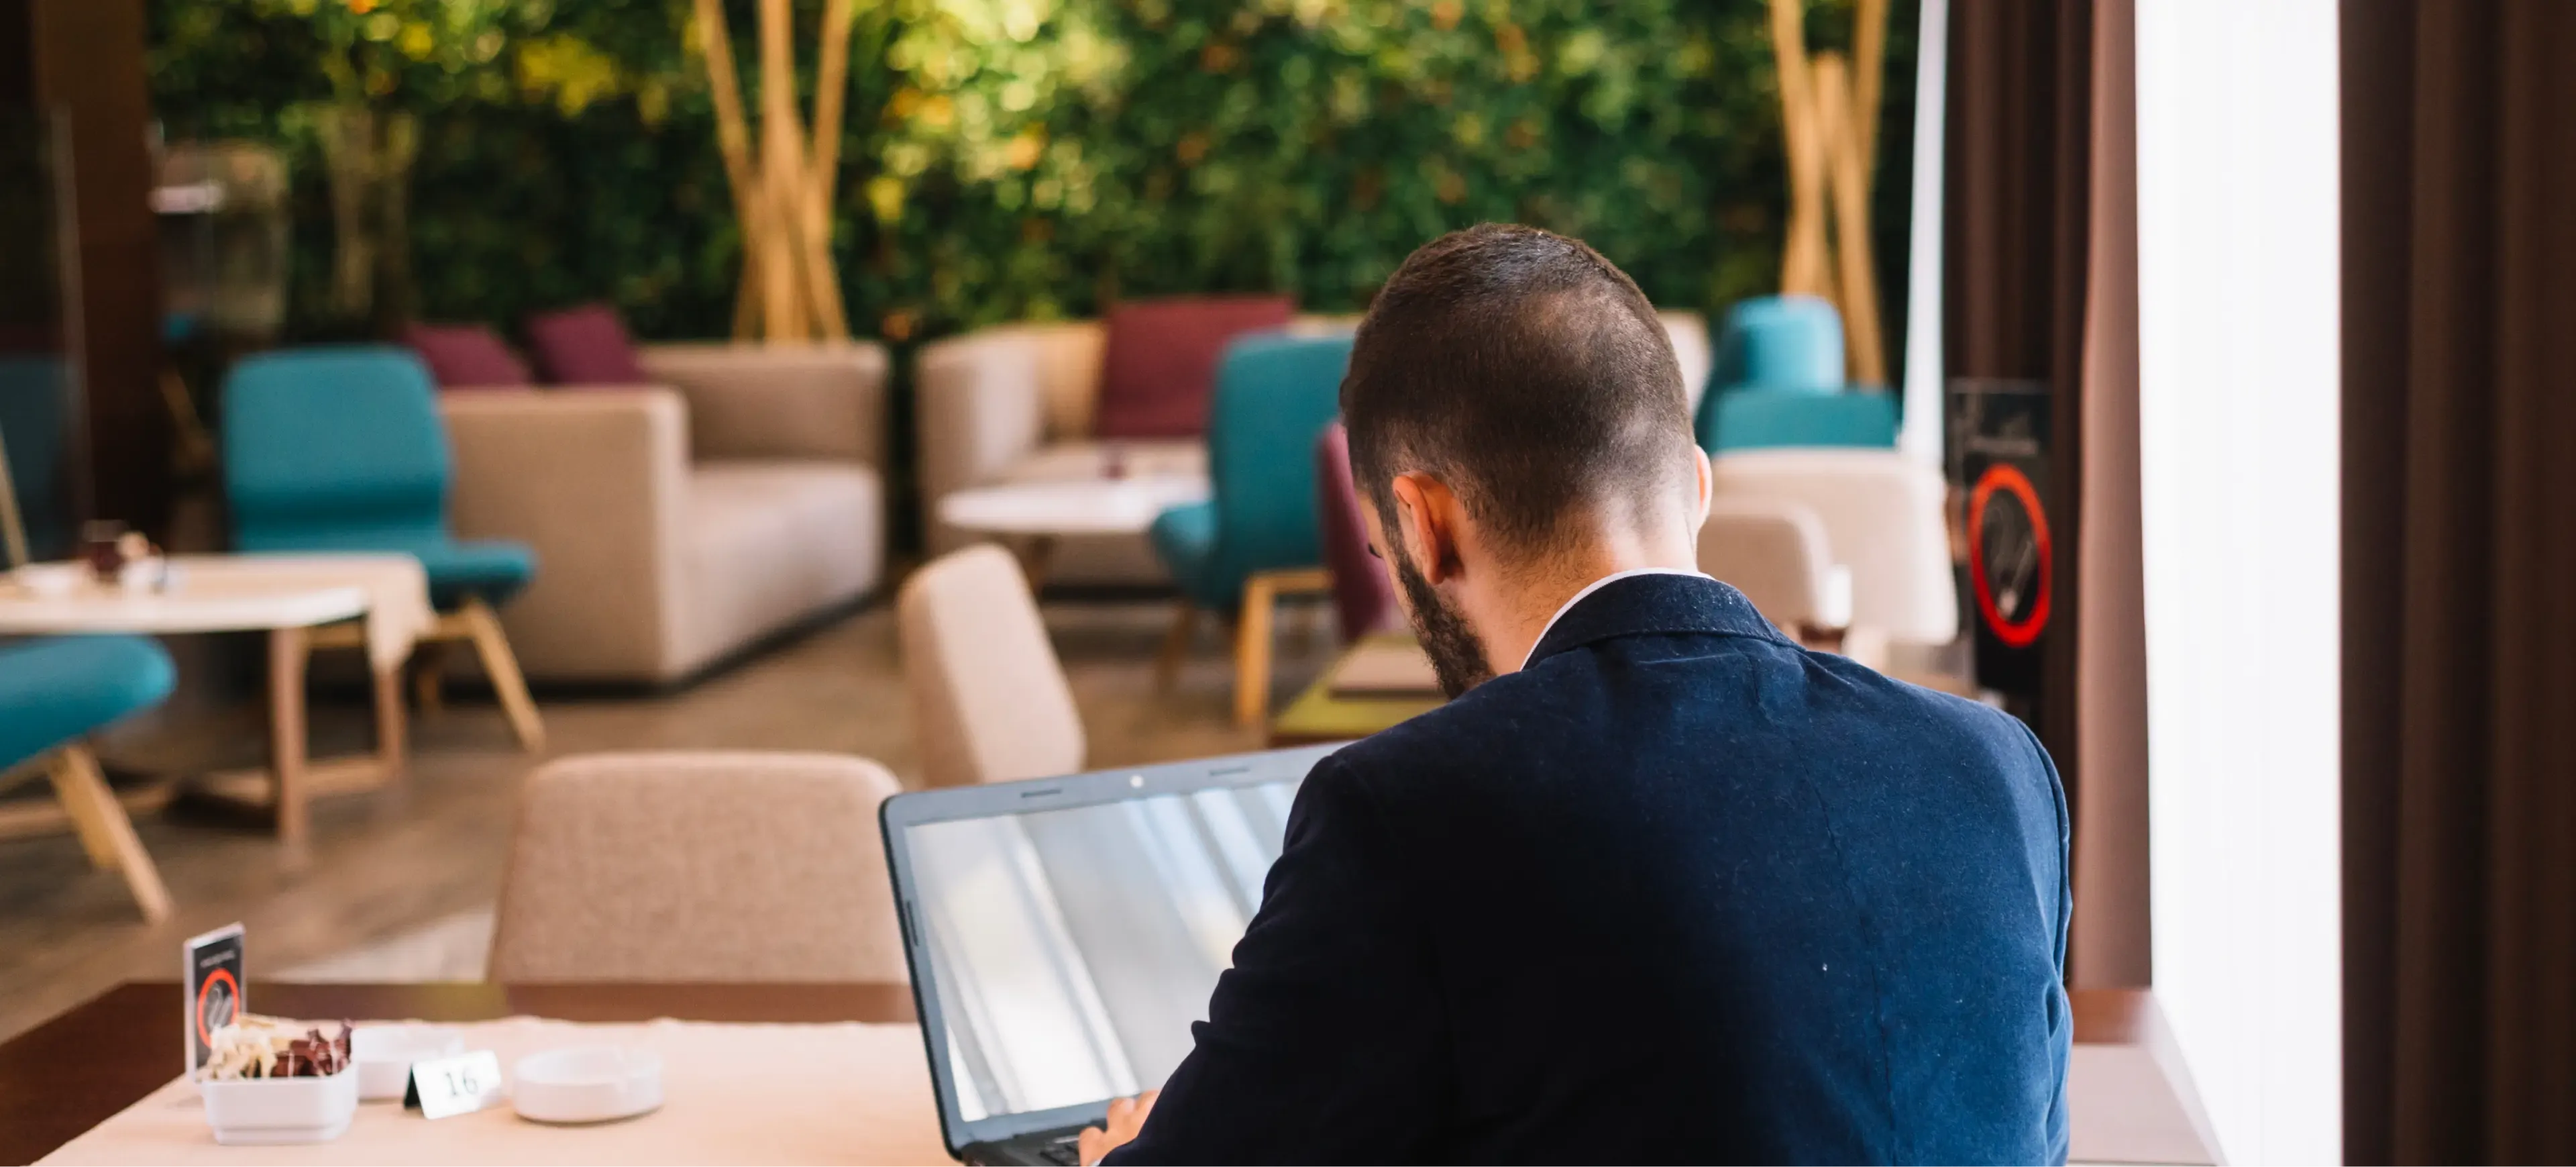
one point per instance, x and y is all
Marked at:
(1363, 602)
(1159, 364)
(465, 356)
(585, 345)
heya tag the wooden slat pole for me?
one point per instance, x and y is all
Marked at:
(733, 142)
(1803, 266)
(831, 88)
(1848, 183)
(1869, 66)
(780, 149)
(782, 185)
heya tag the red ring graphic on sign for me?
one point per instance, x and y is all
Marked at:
(2000, 476)
(226, 976)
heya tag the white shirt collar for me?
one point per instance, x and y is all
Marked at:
(1595, 586)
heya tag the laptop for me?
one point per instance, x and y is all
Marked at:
(1064, 933)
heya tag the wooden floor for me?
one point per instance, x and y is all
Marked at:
(387, 863)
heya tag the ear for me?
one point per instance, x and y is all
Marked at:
(1432, 522)
(1707, 488)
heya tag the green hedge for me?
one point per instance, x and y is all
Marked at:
(1018, 158)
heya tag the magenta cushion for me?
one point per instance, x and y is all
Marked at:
(585, 345)
(1363, 602)
(1159, 367)
(465, 356)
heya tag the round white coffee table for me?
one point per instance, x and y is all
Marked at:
(376, 602)
(1039, 513)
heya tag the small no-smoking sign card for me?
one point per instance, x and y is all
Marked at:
(212, 975)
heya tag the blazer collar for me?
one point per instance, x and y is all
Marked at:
(1647, 605)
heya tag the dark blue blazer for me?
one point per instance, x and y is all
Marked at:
(1679, 890)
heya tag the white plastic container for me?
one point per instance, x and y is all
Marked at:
(257, 1112)
(596, 1083)
(385, 1053)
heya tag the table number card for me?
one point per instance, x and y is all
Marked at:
(452, 1086)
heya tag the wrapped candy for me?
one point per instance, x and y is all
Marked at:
(268, 1047)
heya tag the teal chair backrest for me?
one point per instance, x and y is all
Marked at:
(1780, 342)
(334, 448)
(1274, 396)
(35, 409)
(1758, 418)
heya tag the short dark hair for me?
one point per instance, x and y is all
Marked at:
(1525, 371)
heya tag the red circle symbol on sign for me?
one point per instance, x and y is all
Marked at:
(2010, 480)
(205, 992)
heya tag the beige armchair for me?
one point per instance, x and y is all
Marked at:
(676, 523)
(1772, 550)
(989, 698)
(1014, 403)
(699, 867)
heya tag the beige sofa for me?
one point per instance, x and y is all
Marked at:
(1014, 403)
(676, 522)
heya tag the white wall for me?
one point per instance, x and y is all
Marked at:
(1921, 437)
(2238, 364)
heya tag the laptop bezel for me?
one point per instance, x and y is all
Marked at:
(1094, 788)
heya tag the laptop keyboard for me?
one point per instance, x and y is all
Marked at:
(1066, 1150)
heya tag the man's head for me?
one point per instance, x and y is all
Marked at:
(1519, 427)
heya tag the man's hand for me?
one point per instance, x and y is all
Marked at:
(1126, 1117)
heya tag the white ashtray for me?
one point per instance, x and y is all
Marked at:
(385, 1053)
(259, 1112)
(598, 1083)
(51, 581)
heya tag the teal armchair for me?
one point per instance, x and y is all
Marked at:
(54, 693)
(342, 450)
(1257, 536)
(1778, 381)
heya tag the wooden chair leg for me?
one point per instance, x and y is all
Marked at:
(104, 830)
(1176, 646)
(289, 651)
(427, 685)
(391, 732)
(1252, 651)
(503, 668)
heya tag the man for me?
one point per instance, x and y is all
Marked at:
(1659, 885)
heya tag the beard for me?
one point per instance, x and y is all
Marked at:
(1457, 657)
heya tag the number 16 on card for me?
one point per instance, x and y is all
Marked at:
(458, 1085)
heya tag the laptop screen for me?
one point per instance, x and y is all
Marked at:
(1071, 949)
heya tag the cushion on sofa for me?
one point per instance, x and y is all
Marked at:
(466, 356)
(769, 542)
(585, 345)
(1158, 365)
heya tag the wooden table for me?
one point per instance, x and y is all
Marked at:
(2130, 1096)
(77, 1070)
(1319, 715)
(299, 602)
(1038, 513)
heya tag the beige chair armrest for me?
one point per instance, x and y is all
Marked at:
(596, 481)
(779, 401)
(980, 406)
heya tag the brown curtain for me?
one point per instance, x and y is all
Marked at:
(2017, 201)
(2459, 594)
(2112, 946)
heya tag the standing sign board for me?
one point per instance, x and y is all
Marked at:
(211, 974)
(1999, 481)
